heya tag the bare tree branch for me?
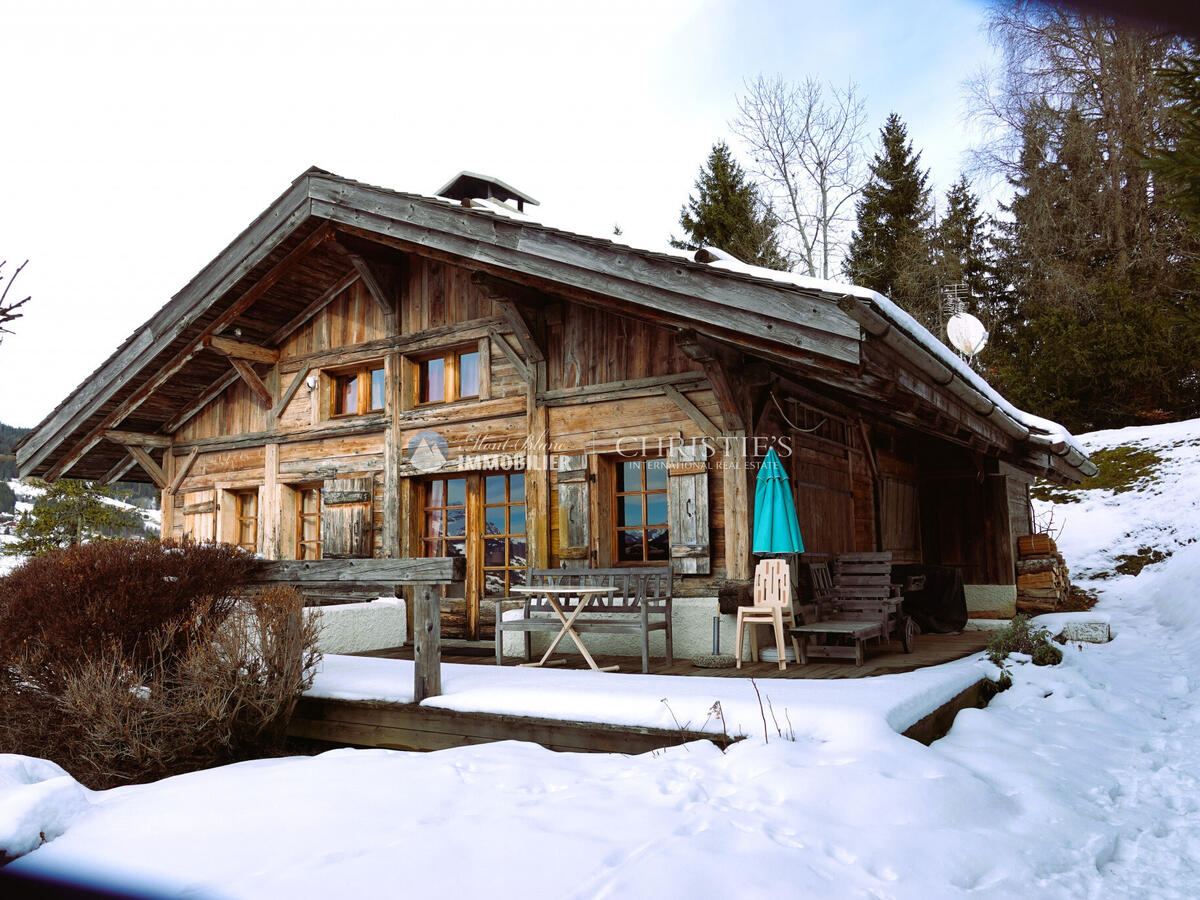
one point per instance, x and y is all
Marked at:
(8, 311)
(807, 141)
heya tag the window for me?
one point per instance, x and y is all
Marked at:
(444, 517)
(641, 511)
(450, 377)
(505, 551)
(308, 522)
(246, 505)
(359, 392)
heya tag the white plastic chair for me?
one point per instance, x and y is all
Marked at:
(772, 606)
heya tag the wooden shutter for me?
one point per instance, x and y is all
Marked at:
(687, 516)
(346, 524)
(199, 515)
(574, 533)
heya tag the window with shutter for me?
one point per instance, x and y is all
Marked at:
(347, 530)
(687, 493)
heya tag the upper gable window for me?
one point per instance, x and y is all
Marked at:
(359, 392)
(448, 377)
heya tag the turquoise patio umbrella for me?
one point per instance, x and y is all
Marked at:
(776, 528)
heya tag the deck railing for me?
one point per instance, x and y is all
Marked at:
(428, 577)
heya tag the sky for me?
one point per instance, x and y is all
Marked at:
(139, 138)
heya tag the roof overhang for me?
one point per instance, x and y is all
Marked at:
(290, 255)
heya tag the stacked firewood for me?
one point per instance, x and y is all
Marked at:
(1042, 576)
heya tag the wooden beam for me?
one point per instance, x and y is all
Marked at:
(803, 320)
(346, 572)
(718, 363)
(141, 440)
(116, 472)
(313, 308)
(183, 357)
(380, 285)
(301, 374)
(183, 470)
(521, 330)
(518, 363)
(240, 349)
(261, 392)
(692, 411)
(152, 469)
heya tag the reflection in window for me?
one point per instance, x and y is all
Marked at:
(444, 517)
(450, 377)
(247, 520)
(360, 392)
(641, 511)
(505, 550)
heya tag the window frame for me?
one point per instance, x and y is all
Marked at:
(364, 373)
(451, 359)
(240, 518)
(615, 497)
(301, 490)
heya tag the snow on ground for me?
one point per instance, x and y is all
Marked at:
(817, 710)
(1079, 781)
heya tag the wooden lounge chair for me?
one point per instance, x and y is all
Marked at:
(858, 604)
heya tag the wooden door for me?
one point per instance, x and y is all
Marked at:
(480, 516)
(821, 485)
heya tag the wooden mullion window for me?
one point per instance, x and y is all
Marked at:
(358, 392)
(247, 520)
(448, 377)
(640, 512)
(308, 522)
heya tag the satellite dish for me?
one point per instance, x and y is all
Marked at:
(966, 333)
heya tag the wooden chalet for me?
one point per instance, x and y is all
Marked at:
(590, 404)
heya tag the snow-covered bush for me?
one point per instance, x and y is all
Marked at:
(1022, 637)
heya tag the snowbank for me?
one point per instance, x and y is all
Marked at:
(38, 800)
(1081, 781)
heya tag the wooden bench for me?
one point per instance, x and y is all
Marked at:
(858, 605)
(640, 602)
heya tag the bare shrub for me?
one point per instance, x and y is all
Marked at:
(114, 717)
(84, 601)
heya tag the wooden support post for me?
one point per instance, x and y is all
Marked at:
(270, 503)
(513, 357)
(427, 642)
(737, 507)
(537, 476)
(392, 451)
(166, 498)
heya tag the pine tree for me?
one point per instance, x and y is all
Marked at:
(1178, 165)
(1086, 336)
(728, 214)
(70, 512)
(962, 249)
(890, 250)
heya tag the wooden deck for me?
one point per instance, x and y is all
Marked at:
(931, 650)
